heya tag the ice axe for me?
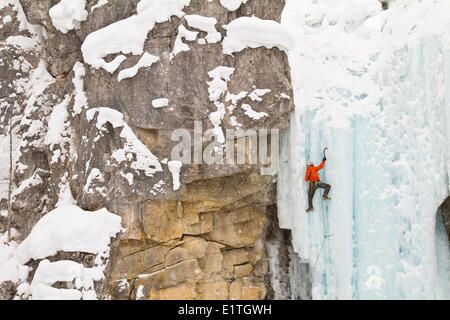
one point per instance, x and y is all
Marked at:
(325, 149)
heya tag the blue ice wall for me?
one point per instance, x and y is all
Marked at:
(378, 96)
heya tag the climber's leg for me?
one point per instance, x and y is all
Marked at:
(312, 190)
(327, 188)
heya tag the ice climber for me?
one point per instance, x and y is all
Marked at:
(314, 182)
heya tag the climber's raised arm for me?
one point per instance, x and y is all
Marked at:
(321, 165)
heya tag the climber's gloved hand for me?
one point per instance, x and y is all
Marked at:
(324, 159)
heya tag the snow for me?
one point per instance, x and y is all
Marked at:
(179, 45)
(146, 61)
(65, 196)
(69, 228)
(104, 115)
(28, 183)
(255, 115)
(78, 82)
(128, 35)
(174, 168)
(35, 30)
(4, 166)
(252, 32)
(32, 87)
(140, 292)
(144, 160)
(373, 86)
(94, 174)
(99, 4)
(234, 98)
(256, 94)
(235, 123)
(285, 96)
(67, 14)
(57, 125)
(160, 103)
(232, 5)
(7, 19)
(128, 176)
(48, 273)
(40, 79)
(206, 24)
(22, 42)
(23, 291)
(158, 187)
(34, 129)
(10, 267)
(217, 87)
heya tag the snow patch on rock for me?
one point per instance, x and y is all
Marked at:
(128, 35)
(253, 32)
(206, 24)
(160, 103)
(24, 43)
(23, 22)
(143, 159)
(11, 269)
(99, 4)
(67, 14)
(174, 168)
(216, 88)
(70, 229)
(255, 115)
(179, 45)
(146, 61)
(80, 102)
(232, 5)
(48, 273)
(58, 127)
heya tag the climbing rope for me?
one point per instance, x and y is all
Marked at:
(326, 236)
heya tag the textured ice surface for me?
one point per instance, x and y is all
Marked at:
(373, 86)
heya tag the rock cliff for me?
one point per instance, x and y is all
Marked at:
(79, 128)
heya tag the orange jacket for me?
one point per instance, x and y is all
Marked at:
(311, 173)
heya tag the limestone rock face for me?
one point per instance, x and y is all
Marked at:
(207, 244)
(205, 240)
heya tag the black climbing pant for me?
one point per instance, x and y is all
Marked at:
(313, 186)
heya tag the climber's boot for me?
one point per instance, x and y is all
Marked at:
(326, 198)
(309, 209)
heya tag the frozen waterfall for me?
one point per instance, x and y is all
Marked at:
(373, 86)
